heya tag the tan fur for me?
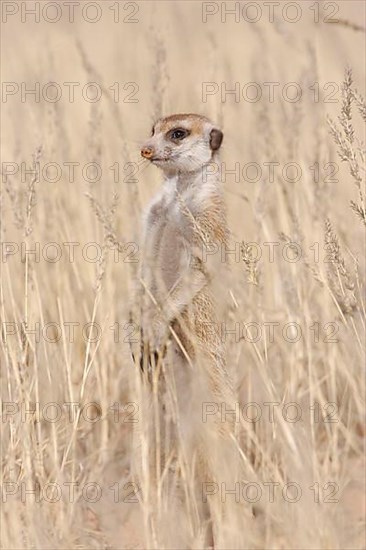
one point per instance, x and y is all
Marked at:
(195, 122)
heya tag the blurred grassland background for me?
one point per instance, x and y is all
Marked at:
(169, 53)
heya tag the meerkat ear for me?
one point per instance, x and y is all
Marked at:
(216, 137)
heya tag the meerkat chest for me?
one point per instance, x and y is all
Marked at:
(165, 242)
(161, 225)
(167, 208)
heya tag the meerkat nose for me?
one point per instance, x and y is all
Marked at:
(147, 152)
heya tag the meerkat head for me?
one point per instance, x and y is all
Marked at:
(182, 143)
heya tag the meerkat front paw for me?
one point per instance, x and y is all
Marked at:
(150, 359)
(154, 343)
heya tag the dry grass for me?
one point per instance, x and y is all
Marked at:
(323, 292)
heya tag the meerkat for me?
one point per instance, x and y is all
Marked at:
(183, 223)
(180, 275)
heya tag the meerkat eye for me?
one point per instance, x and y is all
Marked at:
(178, 133)
(152, 130)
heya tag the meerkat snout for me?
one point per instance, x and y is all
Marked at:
(147, 152)
(182, 143)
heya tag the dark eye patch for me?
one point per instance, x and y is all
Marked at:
(152, 130)
(177, 134)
